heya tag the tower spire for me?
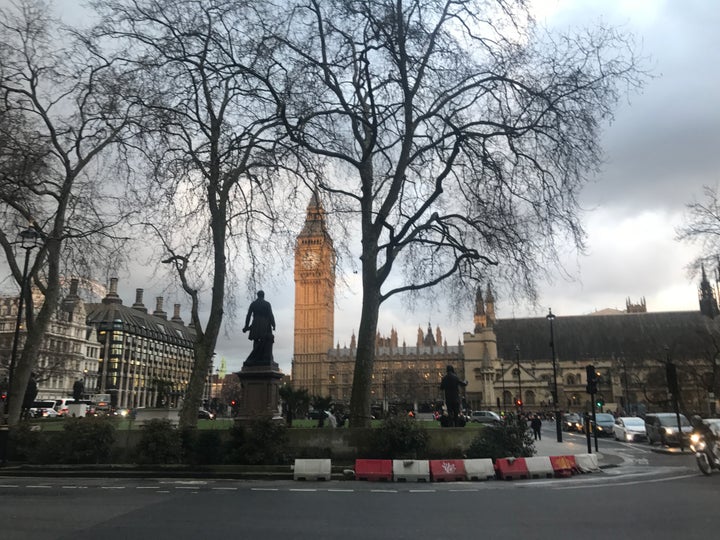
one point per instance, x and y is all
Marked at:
(708, 303)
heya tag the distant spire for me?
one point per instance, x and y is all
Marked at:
(490, 306)
(480, 319)
(708, 303)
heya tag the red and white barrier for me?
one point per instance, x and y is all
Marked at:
(564, 466)
(447, 470)
(539, 467)
(411, 470)
(511, 469)
(374, 470)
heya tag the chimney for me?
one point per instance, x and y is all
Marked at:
(176, 314)
(159, 308)
(139, 301)
(112, 296)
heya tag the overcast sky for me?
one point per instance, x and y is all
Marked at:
(663, 146)
(661, 149)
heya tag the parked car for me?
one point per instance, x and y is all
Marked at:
(485, 417)
(663, 428)
(629, 428)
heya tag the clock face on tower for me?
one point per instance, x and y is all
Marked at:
(310, 260)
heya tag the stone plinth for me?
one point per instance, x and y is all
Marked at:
(260, 392)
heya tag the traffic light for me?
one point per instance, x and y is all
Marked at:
(233, 403)
(599, 402)
(518, 402)
(592, 379)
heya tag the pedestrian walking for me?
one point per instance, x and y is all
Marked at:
(535, 425)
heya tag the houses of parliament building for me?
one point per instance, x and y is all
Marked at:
(508, 363)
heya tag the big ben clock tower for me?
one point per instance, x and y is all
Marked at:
(314, 302)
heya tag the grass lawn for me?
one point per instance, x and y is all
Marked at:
(123, 424)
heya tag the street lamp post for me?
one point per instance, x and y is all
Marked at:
(551, 318)
(28, 241)
(502, 376)
(520, 396)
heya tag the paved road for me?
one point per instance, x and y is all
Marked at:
(677, 504)
(644, 495)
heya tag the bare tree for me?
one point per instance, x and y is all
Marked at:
(217, 172)
(458, 134)
(702, 225)
(64, 130)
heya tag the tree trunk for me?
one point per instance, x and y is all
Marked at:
(365, 359)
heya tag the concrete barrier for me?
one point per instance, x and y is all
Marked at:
(539, 467)
(587, 462)
(479, 469)
(563, 466)
(511, 469)
(411, 470)
(312, 469)
(374, 470)
(447, 470)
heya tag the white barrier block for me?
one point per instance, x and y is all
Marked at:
(411, 470)
(539, 467)
(479, 469)
(312, 469)
(587, 462)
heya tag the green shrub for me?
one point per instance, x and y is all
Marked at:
(263, 442)
(502, 441)
(201, 447)
(24, 443)
(160, 443)
(82, 441)
(399, 437)
(87, 440)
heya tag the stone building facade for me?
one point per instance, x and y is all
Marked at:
(145, 358)
(69, 350)
(140, 359)
(509, 362)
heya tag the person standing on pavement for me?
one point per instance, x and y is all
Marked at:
(451, 384)
(535, 425)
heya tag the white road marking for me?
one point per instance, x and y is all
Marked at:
(613, 484)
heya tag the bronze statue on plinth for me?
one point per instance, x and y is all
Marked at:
(260, 376)
(261, 331)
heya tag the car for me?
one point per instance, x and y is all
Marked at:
(571, 422)
(605, 423)
(663, 428)
(485, 417)
(61, 406)
(630, 429)
(205, 415)
(41, 408)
